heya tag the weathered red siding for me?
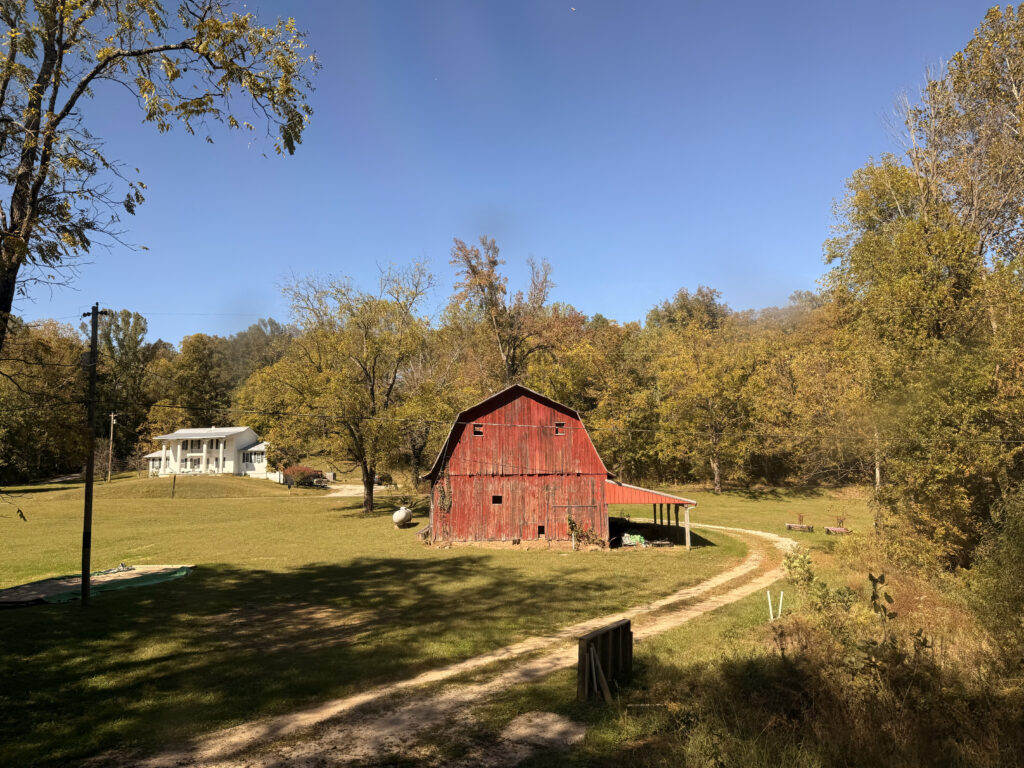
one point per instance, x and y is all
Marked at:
(540, 475)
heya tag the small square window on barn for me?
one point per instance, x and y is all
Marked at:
(559, 427)
(540, 530)
(495, 499)
(478, 429)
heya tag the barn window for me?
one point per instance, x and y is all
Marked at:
(559, 427)
(540, 530)
(478, 429)
(495, 499)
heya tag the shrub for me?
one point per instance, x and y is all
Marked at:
(301, 475)
(997, 580)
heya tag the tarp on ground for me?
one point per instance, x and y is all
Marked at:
(64, 589)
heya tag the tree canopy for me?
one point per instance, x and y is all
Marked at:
(63, 186)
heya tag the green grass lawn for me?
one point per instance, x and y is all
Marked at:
(296, 599)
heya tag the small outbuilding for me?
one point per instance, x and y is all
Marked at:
(517, 466)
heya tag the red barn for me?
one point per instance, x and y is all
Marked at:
(515, 466)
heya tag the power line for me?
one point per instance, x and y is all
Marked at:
(867, 439)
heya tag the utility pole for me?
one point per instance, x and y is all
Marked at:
(110, 448)
(90, 457)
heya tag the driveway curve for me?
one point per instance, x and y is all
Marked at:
(341, 731)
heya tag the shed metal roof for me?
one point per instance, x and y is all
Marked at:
(620, 493)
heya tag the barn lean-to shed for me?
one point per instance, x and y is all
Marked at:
(516, 466)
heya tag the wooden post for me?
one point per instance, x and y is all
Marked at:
(686, 520)
(599, 676)
(654, 513)
(677, 514)
(90, 456)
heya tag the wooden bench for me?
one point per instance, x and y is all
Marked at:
(800, 527)
(837, 530)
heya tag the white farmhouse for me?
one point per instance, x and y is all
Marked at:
(211, 451)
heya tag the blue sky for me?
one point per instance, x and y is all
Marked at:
(639, 147)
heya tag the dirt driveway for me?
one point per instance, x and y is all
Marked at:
(343, 489)
(372, 723)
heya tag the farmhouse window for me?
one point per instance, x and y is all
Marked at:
(540, 530)
(478, 430)
(559, 427)
(495, 499)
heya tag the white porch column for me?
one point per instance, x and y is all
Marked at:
(222, 455)
(163, 457)
(206, 456)
(179, 455)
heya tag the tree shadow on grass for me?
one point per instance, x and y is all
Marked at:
(777, 494)
(144, 669)
(352, 506)
(767, 710)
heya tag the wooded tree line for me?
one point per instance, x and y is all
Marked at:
(153, 388)
(903, 370)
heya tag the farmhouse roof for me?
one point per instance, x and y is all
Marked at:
(153, 455)
(255, 448)
(201, 432)
(465, 416)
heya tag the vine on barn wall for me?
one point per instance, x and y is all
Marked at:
(444, 503)
(583, 535)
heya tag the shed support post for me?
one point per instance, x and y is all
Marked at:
(686, 520)
(677, 514)
(654, 513)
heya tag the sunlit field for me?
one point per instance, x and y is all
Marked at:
(295, 598)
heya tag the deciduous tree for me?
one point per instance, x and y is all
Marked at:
(185, 66)
(341, 384)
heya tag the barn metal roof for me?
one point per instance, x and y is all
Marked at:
(466, 415)
(620, 493)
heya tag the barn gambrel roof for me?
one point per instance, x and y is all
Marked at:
(467, 416)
